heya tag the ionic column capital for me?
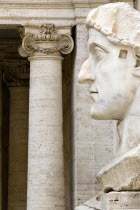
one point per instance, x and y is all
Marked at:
(16, 73)
(46, 41)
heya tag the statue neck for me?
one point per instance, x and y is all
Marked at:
(128, 130)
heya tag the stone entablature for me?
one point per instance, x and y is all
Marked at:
(61, 13)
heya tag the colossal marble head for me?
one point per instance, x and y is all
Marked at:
(113, 66)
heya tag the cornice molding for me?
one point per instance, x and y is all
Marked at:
(32, 12)
(43, 4)
(36, 5)
(16, 13)
(54, 4)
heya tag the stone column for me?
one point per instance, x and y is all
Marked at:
(138, 5)
(16, 77)
(45, 154)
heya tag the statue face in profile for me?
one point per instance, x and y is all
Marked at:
(113, 73)
(110, 71)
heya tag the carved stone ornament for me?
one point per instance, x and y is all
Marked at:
(47, 33)
(66, 44)
(16, 75)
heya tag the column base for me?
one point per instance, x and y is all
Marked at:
(127, 200)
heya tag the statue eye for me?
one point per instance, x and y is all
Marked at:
(100, 53)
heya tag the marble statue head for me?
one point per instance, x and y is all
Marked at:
(113, 65)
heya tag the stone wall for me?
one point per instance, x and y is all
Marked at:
(92, 139)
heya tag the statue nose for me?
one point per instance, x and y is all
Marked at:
(85, 75)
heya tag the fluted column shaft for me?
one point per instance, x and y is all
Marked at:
(18, 136)
(45, 153)
(138, 5)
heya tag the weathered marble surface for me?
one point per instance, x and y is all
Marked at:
(94, 203)
(121, 201)
(88, 134)
(123, 173)
(113, 62)
(124, 200)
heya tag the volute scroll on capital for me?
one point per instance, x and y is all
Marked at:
(46, 41)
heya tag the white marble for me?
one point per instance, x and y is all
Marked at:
(123, 173)
(121, 201)
(94, 203)
(113, 73)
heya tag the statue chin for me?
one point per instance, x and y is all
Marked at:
(99, 115)
(98, 112)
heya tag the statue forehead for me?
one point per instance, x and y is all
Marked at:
(99, 38)
(112, 21)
